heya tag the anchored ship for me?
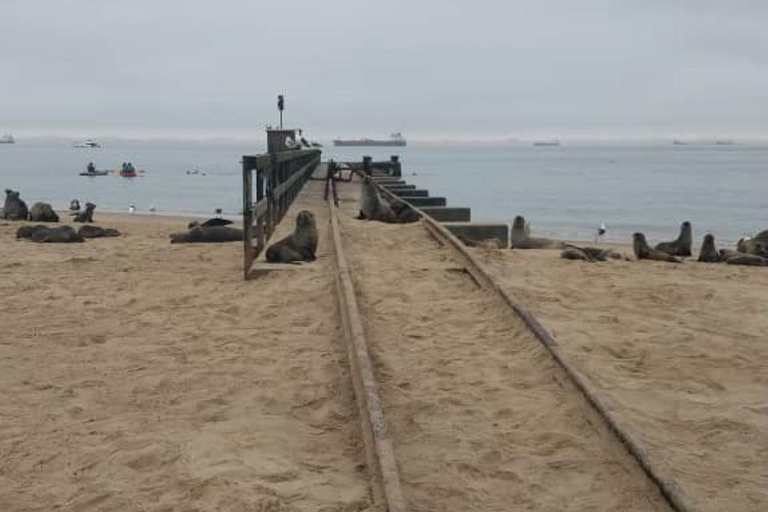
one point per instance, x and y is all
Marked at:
(396, 139)
(547, 143)
(7, 139)
(90, 143)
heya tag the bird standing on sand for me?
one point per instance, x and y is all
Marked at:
(218, 212)
(600, 232)
(131, 209)
(152, 208)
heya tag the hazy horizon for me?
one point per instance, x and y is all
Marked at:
(489, 70)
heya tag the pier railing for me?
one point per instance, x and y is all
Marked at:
(279, 178)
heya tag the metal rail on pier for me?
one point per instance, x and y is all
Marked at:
(279, 179)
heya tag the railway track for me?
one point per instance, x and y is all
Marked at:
(465, 401)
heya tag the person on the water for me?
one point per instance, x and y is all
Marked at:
(125, 167)
(131, 168)
(91, 168)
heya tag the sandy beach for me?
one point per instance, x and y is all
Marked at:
(140, 375)
(678, 351)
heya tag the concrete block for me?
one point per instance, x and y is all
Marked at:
(418, 202)
(475, 233)
(411, 193)
(446, 214)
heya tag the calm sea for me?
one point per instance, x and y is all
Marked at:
(565, 191)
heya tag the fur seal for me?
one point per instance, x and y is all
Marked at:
(372, 207)
(74, 206)
(708, 252)
(87, 215)
(27, 231)
(644, 252)
(214, 234)
(14, 208)
(757, 244)
(57, 235)
(404, 213)
(89, 231)
(574, 252)
(740, 258)
(215, 221)
(299, 245)
(680, 246)
(42, 212)
(521, 239)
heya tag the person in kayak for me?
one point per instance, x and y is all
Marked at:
(91, 168)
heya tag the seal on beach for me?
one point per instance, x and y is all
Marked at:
(757, 244)
(680, 246)
(521, 239)
(87, 214)
(50, 235)
(708, 252)
(372, 207)
(211, 235)
(14, 208)
(25, 232)
(574, 252)
(644, 252)
(42, 212)
(74, 206)
(215, 221)
(89, 231)
(299, 245)
(404, 213)
(740, 258)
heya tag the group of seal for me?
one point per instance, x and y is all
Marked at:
(15, 208)
(63, 234)
(710, 254)
(521, 237)
(300, 245)
(373, 207)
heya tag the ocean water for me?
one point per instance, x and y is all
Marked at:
(565, 191)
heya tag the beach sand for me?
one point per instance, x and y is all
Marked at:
(139, 375)
(678, 351)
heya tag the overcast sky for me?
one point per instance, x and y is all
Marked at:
(431, 69)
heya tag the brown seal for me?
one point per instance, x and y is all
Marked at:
(680, 246)
(574, 252)
(211, 235)
(57, 235)
(299, 245)
(86, 215)
(757, 244)
(644, 252)
(89, 231)
(372, 207)
(42, 212)
(521, 239)
(708, 252)
(14, 208)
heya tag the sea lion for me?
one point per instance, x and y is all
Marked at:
(299, 245)
(210, 223)
(74, 206)
(27, 231)
(57, 235)
(574, 252)
(740, 258)
(521, 238)
(708, 252)
(42, 212)
(372, 207)
(757, 244)
(89, 231)
(644, 252)
(404, 213)
(682, 245)
(87, 215)
(214, 234)
(14, 208)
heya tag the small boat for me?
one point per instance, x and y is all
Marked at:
(679, 143)
(90, 143)
(547, 143)
(95, 173)
(724, 143)
(7, 139)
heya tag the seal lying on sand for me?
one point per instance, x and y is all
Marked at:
(214, 234)
(758, 244)
(14, 208)
(644, 252)
(210, 223)
(87, 214)
(682, 245)
(521, 238)
(372, 207)
(89, 231)
(574, 252)
(299, 245)
(42, 212)
(47, 234)
(709, 254)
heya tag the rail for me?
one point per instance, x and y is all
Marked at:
(279, 178)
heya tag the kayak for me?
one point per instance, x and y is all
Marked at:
(95, 173)
(130, 174)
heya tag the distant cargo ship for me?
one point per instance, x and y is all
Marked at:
(90, 143)
(396, 139)
(547, 143)
(7, 139)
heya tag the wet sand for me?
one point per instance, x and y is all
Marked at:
(139, 375)
(679, 352)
